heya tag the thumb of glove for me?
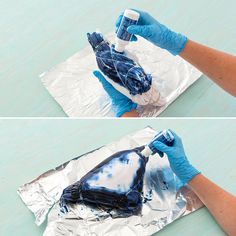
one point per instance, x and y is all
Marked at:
(143, 31)
(106, 85)
(161, 147)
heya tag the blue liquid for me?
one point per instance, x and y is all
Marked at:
(122, 31)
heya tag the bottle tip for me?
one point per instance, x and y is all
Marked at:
(119, 48)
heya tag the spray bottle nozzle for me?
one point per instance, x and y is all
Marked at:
(165, 137)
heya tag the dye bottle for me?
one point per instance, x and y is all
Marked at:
(123, 36)
(165, 137)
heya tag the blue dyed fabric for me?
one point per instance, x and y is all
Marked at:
(118, 67)
(116, 183)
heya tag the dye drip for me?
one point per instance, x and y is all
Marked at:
(117, 182)
(118, 67)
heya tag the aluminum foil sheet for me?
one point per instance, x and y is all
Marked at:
(164, 198)
(80, 94)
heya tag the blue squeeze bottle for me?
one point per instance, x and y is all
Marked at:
(165, 137)
(123, 37)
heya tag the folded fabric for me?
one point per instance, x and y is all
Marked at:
(119, 67)
(116, 183)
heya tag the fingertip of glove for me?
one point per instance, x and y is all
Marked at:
(134, 38)
(159, 145)
(131, 29)
(97, 74)
(162, 155)
(136, 30)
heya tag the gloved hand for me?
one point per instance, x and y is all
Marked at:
(121, 104)
(158, 34)
(178, 160)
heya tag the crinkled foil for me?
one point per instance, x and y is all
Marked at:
(80, 94)
(165, 200)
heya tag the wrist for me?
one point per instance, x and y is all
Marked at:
(178, 43)
(128, 109)
(189, 174)
(130, 114)
(195, 180)
(185, 171)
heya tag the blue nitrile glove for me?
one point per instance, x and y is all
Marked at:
(158, 34)
(178, 160)
(121, 104)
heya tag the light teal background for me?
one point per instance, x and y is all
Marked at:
(31, 147)
(37, 35)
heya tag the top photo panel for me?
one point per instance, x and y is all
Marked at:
(106, 58)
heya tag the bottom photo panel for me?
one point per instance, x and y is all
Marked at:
(118, 177)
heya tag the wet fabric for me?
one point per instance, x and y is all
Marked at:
(119, 67)
(116, 183)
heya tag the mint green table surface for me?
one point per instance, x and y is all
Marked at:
(31, 147)
(37, 35)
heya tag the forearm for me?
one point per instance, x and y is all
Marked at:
(221, 204)
(218, 66)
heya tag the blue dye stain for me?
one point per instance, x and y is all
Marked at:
(148, 196)
(95, 177)
(109, 176)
